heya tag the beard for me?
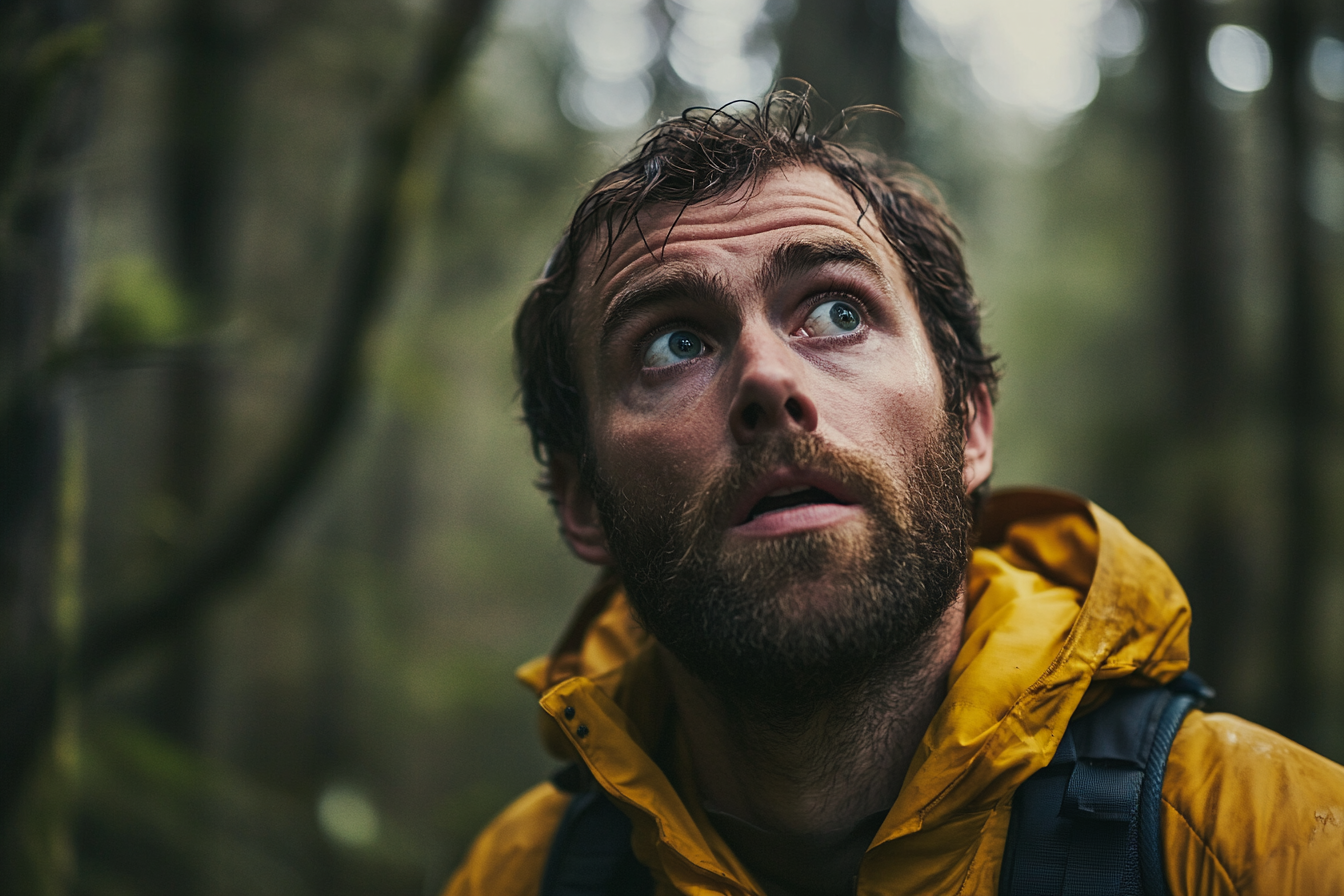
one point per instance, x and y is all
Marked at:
(796, 621)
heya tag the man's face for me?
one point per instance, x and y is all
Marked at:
(771, 465)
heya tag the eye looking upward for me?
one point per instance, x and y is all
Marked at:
(672, 348)
(834, 318)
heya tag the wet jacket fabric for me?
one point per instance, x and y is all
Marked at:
(1064, 605)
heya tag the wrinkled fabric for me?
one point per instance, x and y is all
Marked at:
(1064, 605)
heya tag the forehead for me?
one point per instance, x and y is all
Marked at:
(735, 231)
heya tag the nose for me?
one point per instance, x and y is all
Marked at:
(770, 394)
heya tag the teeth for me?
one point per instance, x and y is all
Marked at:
(790, 490)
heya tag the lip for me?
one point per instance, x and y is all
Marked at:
(790, 478)
(797, 519)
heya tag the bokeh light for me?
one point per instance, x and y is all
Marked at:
(614, 43)
(605, 104)
(1326, 68)
(1240, 58)
(717, 50)
(346, 816)
(1120, 31)
(722, 48)
(1038, 56)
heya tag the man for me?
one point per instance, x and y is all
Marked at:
(754, 371)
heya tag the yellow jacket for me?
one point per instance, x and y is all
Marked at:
(1064, 605)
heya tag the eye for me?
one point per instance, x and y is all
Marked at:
(834, 318)
(670, 348)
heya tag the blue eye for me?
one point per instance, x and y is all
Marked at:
(832, 319)
(668, 349)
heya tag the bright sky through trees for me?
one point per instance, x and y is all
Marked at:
(1042, 57)
(711, 47)
(1327, 68)
(1240, 58)
(721, 49)
(614, 44)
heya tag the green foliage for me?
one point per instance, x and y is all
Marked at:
(56, 52)
(137, 307)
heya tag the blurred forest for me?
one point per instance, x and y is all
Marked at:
(270, 545)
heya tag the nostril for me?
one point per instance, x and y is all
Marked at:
(795, 409)
(751, 415)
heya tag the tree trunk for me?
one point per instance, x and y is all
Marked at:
(848, 50)
(1202, 324)
(210, 54)
(1303, 396)
(40, 118)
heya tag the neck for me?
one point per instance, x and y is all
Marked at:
(827, 768)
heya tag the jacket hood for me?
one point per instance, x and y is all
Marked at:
(1063, 604)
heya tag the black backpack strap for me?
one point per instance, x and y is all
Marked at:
(1188, 692)
(590, 854)
(1088, 823)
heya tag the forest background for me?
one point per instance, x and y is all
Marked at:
(270, 545)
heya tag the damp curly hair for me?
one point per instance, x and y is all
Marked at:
(705, 154)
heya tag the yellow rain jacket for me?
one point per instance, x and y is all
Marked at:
(1064, 606)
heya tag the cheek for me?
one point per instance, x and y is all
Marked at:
(664, 452)
(663, 440)
(893, 412)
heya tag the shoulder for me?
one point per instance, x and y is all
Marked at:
(1248, 811)
(508, 857)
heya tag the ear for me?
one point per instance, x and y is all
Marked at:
(577, 512)
(978, 457)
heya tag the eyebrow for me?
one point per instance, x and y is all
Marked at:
(680, 281)
(798, 257)
(668, 282)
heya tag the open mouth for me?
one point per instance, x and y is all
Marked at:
(791, 496)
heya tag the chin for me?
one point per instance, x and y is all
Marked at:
(817, 599)
(800, 562)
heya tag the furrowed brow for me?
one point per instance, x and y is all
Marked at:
(799, 257)
(666, 284)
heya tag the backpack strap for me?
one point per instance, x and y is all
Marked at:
(590, 854)
(1088, 824)
(1189, 691)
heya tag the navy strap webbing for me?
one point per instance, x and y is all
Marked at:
(1088, 824)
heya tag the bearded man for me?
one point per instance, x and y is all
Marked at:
(753, 369)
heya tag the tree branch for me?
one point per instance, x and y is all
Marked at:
(188, 590)
(195, 583)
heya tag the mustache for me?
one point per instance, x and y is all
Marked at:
(690, 529)
(859, 474)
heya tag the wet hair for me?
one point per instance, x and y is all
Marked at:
(707, 154)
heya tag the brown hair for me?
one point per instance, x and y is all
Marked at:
(706, 154)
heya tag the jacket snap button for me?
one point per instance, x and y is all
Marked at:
(582, 731)
(569, 712)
